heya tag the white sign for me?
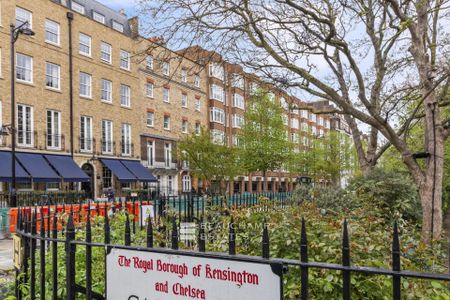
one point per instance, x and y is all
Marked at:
(187, 231)
(140, 275)
(146, 212)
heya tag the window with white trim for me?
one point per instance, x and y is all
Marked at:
(149, 89)
(149, 62)
(237, 81)
(238, 121)
(304, 114)
(284, 104)
(184, 75)
(166, 68)
(313, 117)
(78, 7)
(184, 126)
(186, 183)
(124, 60)
(167, 154)
(150, 153)
(238, 101)
(295, 137)
(107, 177)
(52, 76)
(85, 85)
(198, 128)
(294, 123)
(216, 70)
(86, 143)
(117, 26)
(126, 139)
(216, 92)
(305, 127)
(184, 100)
(166, 95)
(197, 81)
(53, 129)
(107, 137)
(217, 115)
(85, 42)
(25, 124)
(166, 122)
(24, 16)
(125, 95)
(98, 17)
(218, 136)
(24, 68)
(106, 52)
(170, 184)
(106, 92)
(150, 119)
(198, 104)
(236, 141)
(285, 119)
(52, 32)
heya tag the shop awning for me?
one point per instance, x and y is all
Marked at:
(67, 168)
(142, 174)
(6, 172)
(37, 167)
(119, 170)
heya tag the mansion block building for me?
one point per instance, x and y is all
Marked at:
(89, 87)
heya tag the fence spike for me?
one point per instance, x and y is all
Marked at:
(149, 232)
(304, 259)
(201, 237)
(127, 231)
(231, 238)
(396, 279)
(107, 229)
(345, 262)
(265, 241)
(174, 234)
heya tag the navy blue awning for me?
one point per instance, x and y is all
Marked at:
(67, 168)
(6, 172)
(119, 170)
(143, 174)
(37, 166)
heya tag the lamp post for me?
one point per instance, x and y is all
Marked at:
(15, 32)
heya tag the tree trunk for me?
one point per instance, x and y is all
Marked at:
(265, 181)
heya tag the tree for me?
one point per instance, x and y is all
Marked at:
(207, 160)
(263, 139)
(367, 57)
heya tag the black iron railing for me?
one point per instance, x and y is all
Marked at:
(30, 220)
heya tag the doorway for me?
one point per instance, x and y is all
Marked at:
(87, 187)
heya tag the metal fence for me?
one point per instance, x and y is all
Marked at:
(33, 198)
(36, 228)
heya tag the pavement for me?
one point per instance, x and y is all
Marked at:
(6, 255)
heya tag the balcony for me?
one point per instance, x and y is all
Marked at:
(87, 145)
(27, 139)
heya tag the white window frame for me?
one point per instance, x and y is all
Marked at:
(126, 139)
(294, 123)
(216, 92)
(149, 89)
(106, 89)
(98, 17)
(216, 70)
(26, 124)
(184, 126)
(184, 100)
(28, 18)
(87, 44)
(28, 70)
(151, 153)
(54, 131)
(149, 62)
(198, 128)
(152, 119)
(165, 68)
(125, 60)
(218, 136)
(197, 81)
(106, 50)
(186, 183)
(184, 75)
(238, 101)
(237, 81)
(168, 122)
(52, 76)
(117, 26)
(217, 115)
(198, 104)
(107, 136)
(125, 95)
(87, 133)
(238, 121)
(88, 85)
(50, 31)
(167, 155)
(79, 8)
(166, 95)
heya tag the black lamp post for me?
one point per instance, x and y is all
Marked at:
(15, 32)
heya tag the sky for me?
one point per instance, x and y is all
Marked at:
(128, 5)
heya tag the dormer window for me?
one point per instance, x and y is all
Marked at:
(98, 17)
(78, 7)
(117, 26)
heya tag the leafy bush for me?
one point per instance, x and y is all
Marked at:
(394, 194)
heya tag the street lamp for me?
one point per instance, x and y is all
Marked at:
(15, 33)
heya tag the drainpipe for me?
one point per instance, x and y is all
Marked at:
(70, 19)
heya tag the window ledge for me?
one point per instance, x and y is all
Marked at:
(25, 83)
(86, 97)
(53, 90)
(106, 102)
(53, 44)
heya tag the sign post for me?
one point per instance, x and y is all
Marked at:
(140, 275)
